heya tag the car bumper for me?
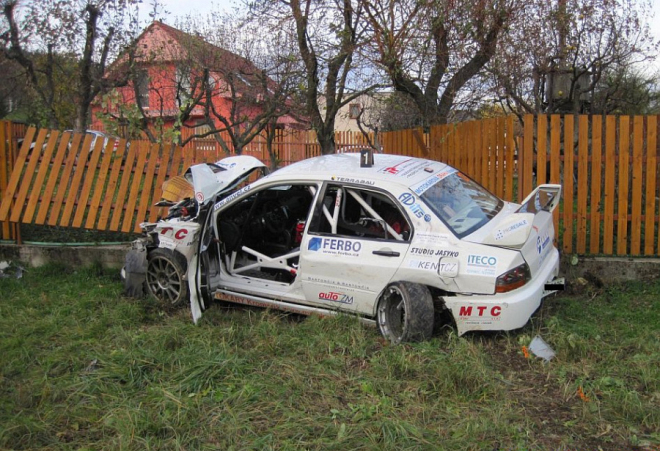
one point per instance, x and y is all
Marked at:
(506, 311)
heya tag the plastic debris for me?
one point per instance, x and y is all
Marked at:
(541, 349)
(10, 270)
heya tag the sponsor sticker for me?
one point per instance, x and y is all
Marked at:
(415, 207)
(335, 246)
(226, 165)
(427, 183)
(340, 283)
(433, 252)
(503, 233)
(480, 311)
(484, 265)
(334, 296)
(352, 180)
(231, 197)
(199, 196)
(443, 268)
(166, 242)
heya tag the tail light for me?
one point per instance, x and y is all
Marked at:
(512, 279)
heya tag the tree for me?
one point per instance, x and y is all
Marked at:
(87, 32)
(558, 54)
(327, 34)
(431, 49)
(622, 91)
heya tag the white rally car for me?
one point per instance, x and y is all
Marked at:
(393, 240)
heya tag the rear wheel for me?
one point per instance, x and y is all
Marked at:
(405, 312)
(166, 271)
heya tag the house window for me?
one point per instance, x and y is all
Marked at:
(354, 110)
(142, 83)
(183, 86)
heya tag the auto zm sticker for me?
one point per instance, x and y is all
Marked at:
(335, 296)
(484, 265)
(335, 246)
(503, 233)
(415, 207)
(231, 197)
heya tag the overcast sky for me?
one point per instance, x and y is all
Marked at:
(181, 8)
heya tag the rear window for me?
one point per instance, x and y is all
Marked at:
(461, 203)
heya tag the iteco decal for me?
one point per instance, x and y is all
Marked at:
(483, 265)
(335, 246)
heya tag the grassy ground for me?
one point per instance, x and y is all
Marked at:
(83, 368)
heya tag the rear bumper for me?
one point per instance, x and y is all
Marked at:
(506, 311)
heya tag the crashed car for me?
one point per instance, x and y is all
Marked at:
(396, 240)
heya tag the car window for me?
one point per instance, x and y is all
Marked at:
(354, 212)
(461, 203)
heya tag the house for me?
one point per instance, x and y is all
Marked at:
(174, 76)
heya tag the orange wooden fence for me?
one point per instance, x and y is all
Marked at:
(608, 167)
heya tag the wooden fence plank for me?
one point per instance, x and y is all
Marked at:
(53, 177)
(90, 179)
(146, 189)
(481, 166)
(500, 156)
(582, 183)
(162, 172)
(126, 176)
(624, 170)
(5, 162)
(610, 184)
(541, 149)
(527, 156)
(43, 168)
(100, 188)
(510, 158)
(596, 182)
(63, 186)
(569, 150)
(110, 192)
(26, 180)
(74, 188)
(637, 174)
(136, 186)
(651, 228)
(555, 161)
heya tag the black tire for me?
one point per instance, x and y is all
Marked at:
(166, 277)
(405, 313)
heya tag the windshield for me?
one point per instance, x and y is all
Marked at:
(461, 203)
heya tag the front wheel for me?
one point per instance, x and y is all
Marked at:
(405, 313)
(166, 271)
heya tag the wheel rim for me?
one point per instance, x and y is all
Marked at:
(164, 280)
(392, 314)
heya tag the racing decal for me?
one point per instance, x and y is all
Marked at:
(415, 207)
(542, 242)
(484, 265)
(231, 197)
(432, 238)
(352, 180)
(394, 170)
(181, 234)
(424, 186)
(480, 310)
(335, 246)
(435, 252)
(441, 267)
(199, 196)
(340, 283)
(502, 233)
(166, 242)
(335, 296)
(226, 165)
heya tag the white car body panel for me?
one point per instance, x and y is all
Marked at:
(332, 272)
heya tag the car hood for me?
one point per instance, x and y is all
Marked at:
(211, 179)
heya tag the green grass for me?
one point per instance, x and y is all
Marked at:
(83, 368)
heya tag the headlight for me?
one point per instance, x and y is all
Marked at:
(512, 279)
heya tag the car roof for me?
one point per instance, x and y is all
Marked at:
(387, 169)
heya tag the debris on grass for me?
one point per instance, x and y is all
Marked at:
(10, 270)
(541, 349)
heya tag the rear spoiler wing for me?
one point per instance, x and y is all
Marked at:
(543, 198)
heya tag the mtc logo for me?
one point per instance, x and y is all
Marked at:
(480, 310)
